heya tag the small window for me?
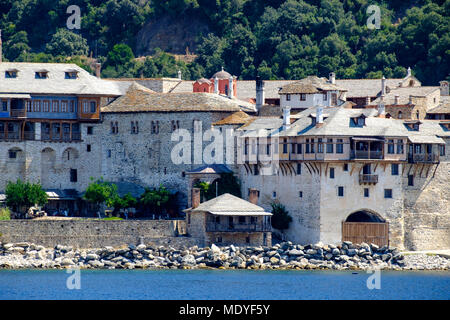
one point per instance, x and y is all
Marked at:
(442, 150)
(4, 105)
(11, 74)
(12, 154)
(93, 105)
(300, 194)
(330, 146)
(340, 146)
(345, 166)
(219, 239)
(88, 148)
(189, 218)
(366, 192)
(71, 75)
(410, 180)
(388, 193)
(247, 240)
(302, 97)
(274, 194)
(41, 75)
(324, 96)
(109, 153)
(394, 169)
(218, 219)
(391, 146)
(399, 146)
(331, 173)
(73, 175)
(288, 97)
(241, 220)
(340, 191)
(299, 168)
(255, 169)
(90, 130)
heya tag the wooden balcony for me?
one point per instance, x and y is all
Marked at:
(368, 179)
(18, 113)
(357, 154)
(244, 227)
(423, 158)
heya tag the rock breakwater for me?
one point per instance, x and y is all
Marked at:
(287, 255)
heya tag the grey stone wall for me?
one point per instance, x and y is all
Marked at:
(95, 233)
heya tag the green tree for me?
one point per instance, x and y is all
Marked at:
(281, 218)
(17, 45)
(20, 196)
(100, 192)
(127, 201)
(120, 55)
(155, 200)
(67, 43)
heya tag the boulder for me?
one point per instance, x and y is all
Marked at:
(92, 256)
(67, 262)
(351, 252)
(189, 260)
(274, 260)
(215, 249)
(336, 252)
(295, 252)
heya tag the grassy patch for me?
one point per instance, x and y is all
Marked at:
(112, 219)
(5, 214)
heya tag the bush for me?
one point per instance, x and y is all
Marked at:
(112, 219)
(5, 214)
(281, 218)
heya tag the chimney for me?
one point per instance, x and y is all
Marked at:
(260, 94)
(408, 73)
(253, 196)
(216, 85)
(332, 78)
(319, 115)
(396, 99)
(230, 88)
(383, 86)
(1, 53)
(179, 74)
(286, 117)
(381, 109)
(98, 67)
(367, 101)
(444, 88)
(195, 198)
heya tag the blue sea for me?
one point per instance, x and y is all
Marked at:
(221, 284)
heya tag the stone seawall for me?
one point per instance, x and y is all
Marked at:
(95, 233)
(280, 256)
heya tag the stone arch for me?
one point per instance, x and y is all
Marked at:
(70, 154)
(365, 215)
(48, 163)
(15, 164)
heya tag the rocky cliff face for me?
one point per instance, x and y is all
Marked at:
(170, 34)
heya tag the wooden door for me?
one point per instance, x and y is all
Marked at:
(368, 232)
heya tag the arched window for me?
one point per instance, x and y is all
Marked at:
(400, 115)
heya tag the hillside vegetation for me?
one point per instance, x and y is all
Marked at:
(277, 39)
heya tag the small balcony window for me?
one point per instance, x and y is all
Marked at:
(41, 75)
(388, 193)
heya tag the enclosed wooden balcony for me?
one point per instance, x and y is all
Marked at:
(368, 179)
(241, 227)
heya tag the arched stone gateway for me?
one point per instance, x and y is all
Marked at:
(365, 226)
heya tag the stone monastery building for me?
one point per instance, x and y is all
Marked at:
(346, 165)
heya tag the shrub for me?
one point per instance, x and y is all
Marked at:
(281, 218)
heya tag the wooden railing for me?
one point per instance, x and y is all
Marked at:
(368, 178)
(423, 158)
(251, 227)
(18, 113)
(356, 154)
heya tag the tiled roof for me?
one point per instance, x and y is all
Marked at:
(212, 169)
(55, 83)
(239, 117)
(311, 84)
(229, 203)
(338, 123)
(141, 99)
(403, 95)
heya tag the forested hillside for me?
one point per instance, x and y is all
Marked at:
(277, 39)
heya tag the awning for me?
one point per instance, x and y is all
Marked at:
(367, 139)
(426, 139)
(55, 194)
(15, 96)
(240, 213)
